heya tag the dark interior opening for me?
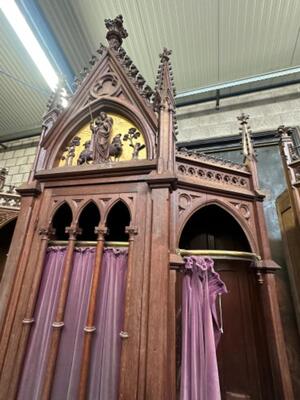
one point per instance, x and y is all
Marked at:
(6, 234)
(213, 228)
(118, 218)
(89, 219)
(62, 219)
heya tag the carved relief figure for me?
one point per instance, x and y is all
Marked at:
(116, 147)
(101, 129)
(86, 155)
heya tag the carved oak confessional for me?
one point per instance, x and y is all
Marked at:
(112, 150)
(288, 208)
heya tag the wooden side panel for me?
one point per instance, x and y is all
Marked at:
(291, 235)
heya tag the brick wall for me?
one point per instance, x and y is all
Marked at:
(267, 109)
(18, 158)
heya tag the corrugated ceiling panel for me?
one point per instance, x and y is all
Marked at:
(212, 41)
(21, 107)
(257, 36)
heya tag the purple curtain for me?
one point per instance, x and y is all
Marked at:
(106, 345)
(106, 351)
(200, 330)
(31, 384)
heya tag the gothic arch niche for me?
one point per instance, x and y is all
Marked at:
(62, 219)
(117, 220)
(6, 234)
(241, 361)
(88, 220)
(213, 228)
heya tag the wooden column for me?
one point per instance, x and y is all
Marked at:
(277, 348)
(60, 311)
(125, 333)
(28, 320)
(90, 323)
(157, 375)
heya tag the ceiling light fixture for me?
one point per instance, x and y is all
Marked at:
(22, 29)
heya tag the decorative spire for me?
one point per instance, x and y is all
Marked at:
(116, 32)
(245, 131)
(164, 86)
(55, 100)
(165, 80)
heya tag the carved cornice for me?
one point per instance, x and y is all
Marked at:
(29, 189)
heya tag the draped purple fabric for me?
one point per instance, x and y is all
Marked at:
(31, 384)
(67, 371)
(106, 345)
(106, 352)
(200, 330)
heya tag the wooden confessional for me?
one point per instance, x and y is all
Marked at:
(288, 209)
(109, 160)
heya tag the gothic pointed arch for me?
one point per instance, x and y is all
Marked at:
(118, 218)
(88, 220)
(213, 227)
(62, 218)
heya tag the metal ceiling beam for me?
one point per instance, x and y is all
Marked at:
(10, 137)
(238, 82)
(46, 38)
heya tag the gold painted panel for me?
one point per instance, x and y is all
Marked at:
(121, 125)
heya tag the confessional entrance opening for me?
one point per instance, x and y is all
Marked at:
(241, 352)
(6, 234)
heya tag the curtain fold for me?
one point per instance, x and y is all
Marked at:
(106, 344)
(31, 383)
(67, 370)
(200, 330)
(106, 354)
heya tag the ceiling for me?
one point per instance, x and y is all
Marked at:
(213, 41)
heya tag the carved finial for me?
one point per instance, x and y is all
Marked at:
(243, 118)
(165, 55)
(284, 131)
(116, 32)
(164, 88)
(248, 149)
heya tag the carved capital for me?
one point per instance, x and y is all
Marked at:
(46, 233)
(101, 231)
(132, 231)
(73, 231)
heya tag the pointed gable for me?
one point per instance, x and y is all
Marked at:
(112, 84)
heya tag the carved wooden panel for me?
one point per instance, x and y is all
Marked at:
(109, 138)
(208, 174)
